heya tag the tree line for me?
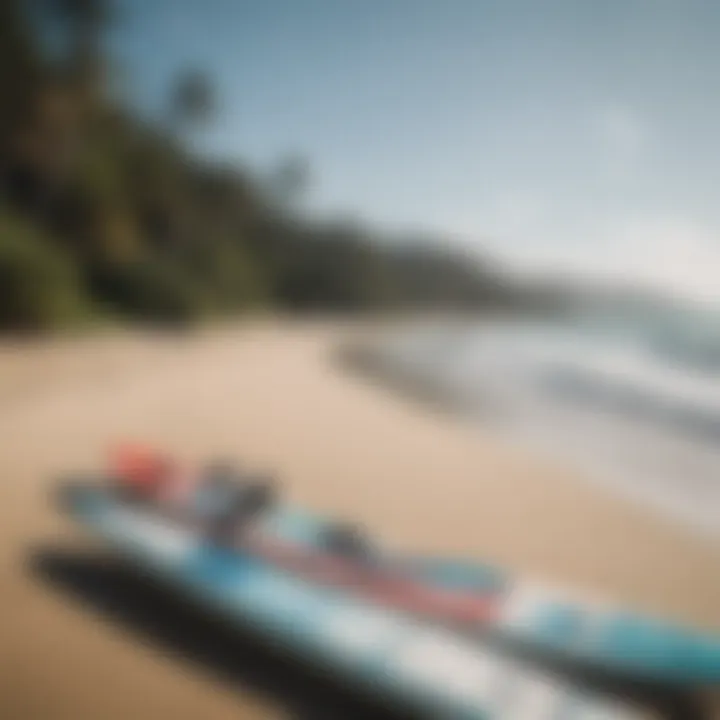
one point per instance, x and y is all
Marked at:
(104, 215)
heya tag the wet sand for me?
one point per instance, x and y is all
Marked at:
(270, 395)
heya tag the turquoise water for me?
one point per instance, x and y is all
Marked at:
(687, 338)
(628, 398)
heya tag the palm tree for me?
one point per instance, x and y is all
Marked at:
(192, 101)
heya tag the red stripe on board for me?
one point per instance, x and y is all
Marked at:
(390, 588)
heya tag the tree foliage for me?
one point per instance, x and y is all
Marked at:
(39, 288)
(105, 210)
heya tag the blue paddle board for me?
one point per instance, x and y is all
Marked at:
(422, 666)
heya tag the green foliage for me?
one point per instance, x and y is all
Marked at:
(38, 285)
(147, 290)
(19, 67)
(334, 267)
(233, 278)
(123, 209)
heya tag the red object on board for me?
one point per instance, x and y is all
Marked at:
(141, 469)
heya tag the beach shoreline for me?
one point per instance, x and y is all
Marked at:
(272, 395)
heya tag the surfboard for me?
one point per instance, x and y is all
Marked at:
(576, 627)
(424, 667)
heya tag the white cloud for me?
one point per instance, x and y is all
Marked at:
(672, 254)
(677, 254)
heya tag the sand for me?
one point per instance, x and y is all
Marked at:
(270, 395)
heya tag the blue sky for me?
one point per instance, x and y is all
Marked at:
(558, 134)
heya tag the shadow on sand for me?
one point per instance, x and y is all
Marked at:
(239, 658)
(156, 615)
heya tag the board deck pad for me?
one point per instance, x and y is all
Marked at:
(423, 666)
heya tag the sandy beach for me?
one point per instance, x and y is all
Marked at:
(271, 396)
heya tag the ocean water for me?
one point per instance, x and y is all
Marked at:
(632, 404)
